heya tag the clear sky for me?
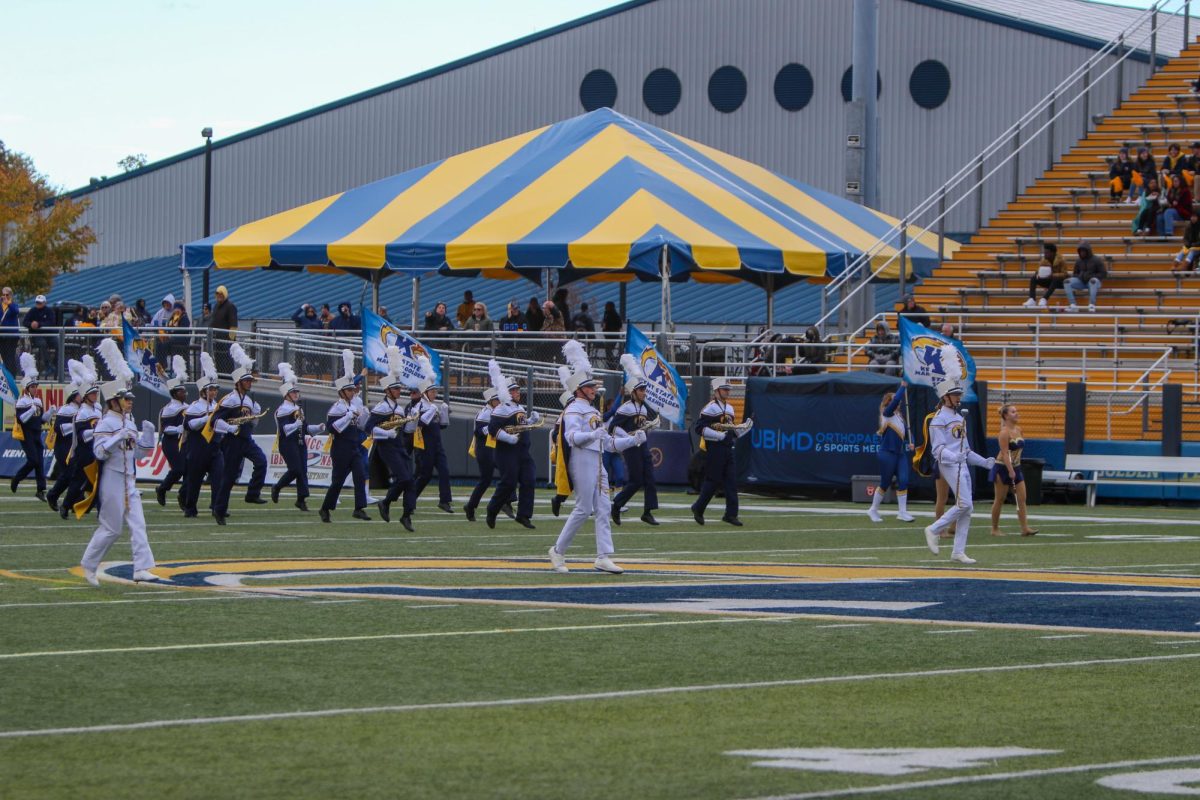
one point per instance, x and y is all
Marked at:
(84, 83)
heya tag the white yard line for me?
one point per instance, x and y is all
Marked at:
(996, 776)
(939, 633)
(1066, 636)
(845, 625)
(635, 693)
(165, 599)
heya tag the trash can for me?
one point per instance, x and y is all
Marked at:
(1033, 467)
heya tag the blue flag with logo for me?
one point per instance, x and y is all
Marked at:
(9, 390)
(141, 360)
(378, 334)
(666, 392)
(924, 352)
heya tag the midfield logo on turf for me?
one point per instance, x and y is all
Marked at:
(883, 761)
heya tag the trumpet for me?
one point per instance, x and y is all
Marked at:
(396, 421)
(247, 418)
(739, 428)
(525, 426)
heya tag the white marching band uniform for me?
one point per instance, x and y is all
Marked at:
(948, 441)
(118, 445)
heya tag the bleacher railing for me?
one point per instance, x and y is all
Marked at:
(969, 182)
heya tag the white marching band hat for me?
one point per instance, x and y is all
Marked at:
(245, 364)
(287, 378)
(579, 373)
(29, 371)
(346, 381)
(90, 376)
(208, 373)
(489, 394)
(634, 377)
(120, 385)
(179, 374)
(722, 382)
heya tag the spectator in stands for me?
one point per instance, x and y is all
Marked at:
(948, 330)
(611, 323)
(140, 314)
(913, 312)
(1186, 260)
(326, 316)
(383, 312)
(1144, 169)
(533, 315)
(552, 318)
(583, 321)
(159, 320)
(306, 318)
(104, 314)
(437, 320)
(1051, 274)
(224, 316)
(1120, 177)
(883, 352)
(205, 316)
(514, 320)
(1172, 167)
(39, 319)
(811, 354)
(1088, 273)
(1191, 165)
(465, 309)
(10, 331)
(479, 319)
(1148, 207)
(563, 305)
(175, 343)
(346, 320)
(1179, 207)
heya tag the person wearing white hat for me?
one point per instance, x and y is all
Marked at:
(170, 427)
(719, 444)
(82, 492)
(346, 420)
(290, 441)
(239, 405)
(482, 452)
(390, 442)
(518, 473)
(118, 445)
(954, 456)
(630, 417)
(202, 436)
(584, 439)
(432, 416)
(28, 427)
(63, 432)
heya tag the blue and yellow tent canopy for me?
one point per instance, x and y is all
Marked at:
(600, 196)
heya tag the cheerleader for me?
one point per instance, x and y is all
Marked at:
(170, 427)
(893, 456)
(1006, 474)
(28, 428)
(290, 440)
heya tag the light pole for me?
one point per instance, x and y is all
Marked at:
(207, 134)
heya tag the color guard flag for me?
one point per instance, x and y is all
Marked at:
(923, 352)
(9, 390)
(666, 392)
(378, 335)
(141, 360)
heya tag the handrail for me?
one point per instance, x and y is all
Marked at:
(1165, 356)
(1011, 135)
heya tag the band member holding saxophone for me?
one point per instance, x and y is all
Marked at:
(719, 435)
(632, 416)
(387, 428)
(509, 428)
(290, 431)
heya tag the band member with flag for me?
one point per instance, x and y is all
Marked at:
(27, 428)
(893, 456)
(387, 424)
(117, 445)
(719, 435)
(948, 440)
(346, 420)
(203, 432)
(82, 491)
(170, 427)
(239, 410)
(584, 438)
(431, 417)
(632, 416)
(63, 431)
(482, 451)
(509, 427)
(290, 431)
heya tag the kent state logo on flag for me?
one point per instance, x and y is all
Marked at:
(141, 360)
(9, 390)
(378, 334)
(666, 393)
(923, 352)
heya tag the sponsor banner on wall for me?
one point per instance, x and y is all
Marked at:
(320, 466)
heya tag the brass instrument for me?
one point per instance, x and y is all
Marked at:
(739, 428)
(245, 419)
(396, 421)
(649, 424)
(525, 426)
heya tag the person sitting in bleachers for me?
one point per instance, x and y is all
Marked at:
(1089, 272)
(1149, 204)
(1191, 165)
(1179, 207)
(1186, 260)
(1144, 168)
(1120, 177)
(1050, 274)
(883, 353)
(914, 311)
(1172, 167)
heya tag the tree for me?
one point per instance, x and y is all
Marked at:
(40, 232)
(135, 161)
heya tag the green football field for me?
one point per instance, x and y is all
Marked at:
(809, 654)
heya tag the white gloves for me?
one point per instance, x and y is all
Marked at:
(506, 437)
(533, 417)
(640, 436)
(174, 430)
(991, 462)
(380, 433)
(313, 430)
(146, 441)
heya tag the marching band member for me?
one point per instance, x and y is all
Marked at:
(719, 443)
(893, 456)
(117, 446)
(289, 432)
(203, 432)
(239, 405)
(85, 472)
(561, 493)
(64, 436)
(483, 453)
(948, 438)
(346, 420)
(631, 416)
(518, 472)
(584, 439)
(28, 428)
(390, 441)
(170, 427)
(432, 417)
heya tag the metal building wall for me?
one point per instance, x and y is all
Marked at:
(996, 73)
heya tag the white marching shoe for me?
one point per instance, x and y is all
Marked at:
(874, 515)
(605, 564)
(931, 539)
(962, 558)
(904, 516)
(90, 577)
(558, 561)
(143, 575)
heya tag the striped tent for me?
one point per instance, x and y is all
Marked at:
(599, 196)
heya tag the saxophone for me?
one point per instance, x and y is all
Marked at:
(244, 419)
(649, 424)
(396, 421)
(525, 426)
(739, 428)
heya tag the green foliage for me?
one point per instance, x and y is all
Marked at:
(131, 162)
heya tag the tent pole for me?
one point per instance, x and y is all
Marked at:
(546, 281)
(376, 279)
(187, 294)
(416, 300)
(770, 302)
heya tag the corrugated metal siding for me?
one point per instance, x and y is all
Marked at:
(996, 74)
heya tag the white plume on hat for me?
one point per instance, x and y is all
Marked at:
(245, 364)
(287, 378)
(29, 368)
(952, 367)
(395, 368)
(581, 367)
(208, 372)
(500, 383)
(115, 361)
(347, 378)
(427, 373)
(91, 375)
(80, 378)
(634, 376)
(179, 374)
